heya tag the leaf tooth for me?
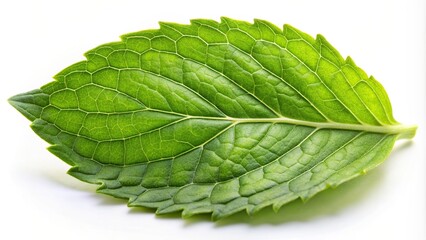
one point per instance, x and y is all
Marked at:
(209, 22)
(233, 23)
(131, 202)
(281, 201)
(350, 62)
(190, 211)
(149, 33)
(251, 210)
(331, 185)
(164, 24)
(320, 39)
(156, 195)
(171, 29)
(304, 198)
(187, 214)
(226, 20)
(155, 205)
(79, 66)
(131, 199)
(169, 209)
(230, 208)
(276, 207)
(62, 153)
(269, 24)
(286, 26)
(291, 32)
(217, 213)
(308, 194)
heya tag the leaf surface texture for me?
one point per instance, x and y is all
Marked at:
(214, 117)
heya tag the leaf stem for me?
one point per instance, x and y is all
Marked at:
(407, 131)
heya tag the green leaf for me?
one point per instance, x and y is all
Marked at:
(214, 117)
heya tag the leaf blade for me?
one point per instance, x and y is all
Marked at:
(214, 117)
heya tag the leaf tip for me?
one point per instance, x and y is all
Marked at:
(29, 104)
(15, 101)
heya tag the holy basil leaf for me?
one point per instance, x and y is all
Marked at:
(214, 117)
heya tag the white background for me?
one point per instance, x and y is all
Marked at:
(38, 200)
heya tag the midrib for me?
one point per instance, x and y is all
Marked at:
(404, 131)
